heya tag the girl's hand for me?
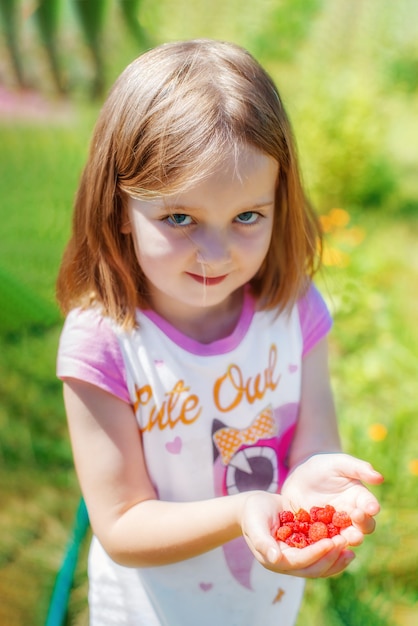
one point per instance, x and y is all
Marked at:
(336, 479)
(324, 558)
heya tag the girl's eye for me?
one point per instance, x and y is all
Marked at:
(248, 217)
(179, 219)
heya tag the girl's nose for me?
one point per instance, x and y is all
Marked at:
(213, 248)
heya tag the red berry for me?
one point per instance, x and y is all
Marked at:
(325, 514)
(303, 516)
(341, 519)
(317, 531)
(286, 516)
(304, 528)
(313, 511)
(283, 533)
(301, 527)
(297, 540)
(333, 530)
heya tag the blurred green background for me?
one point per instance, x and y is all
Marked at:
(348, 73)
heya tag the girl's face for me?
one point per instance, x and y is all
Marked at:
(199, 248)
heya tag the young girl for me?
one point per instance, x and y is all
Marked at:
(194, 354)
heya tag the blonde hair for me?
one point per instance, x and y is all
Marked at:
(169, 120)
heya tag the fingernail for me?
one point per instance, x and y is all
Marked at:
(272, 555)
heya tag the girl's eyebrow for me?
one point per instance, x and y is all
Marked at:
(180, 208)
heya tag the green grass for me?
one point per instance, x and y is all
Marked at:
(39, 167)
(372, 293)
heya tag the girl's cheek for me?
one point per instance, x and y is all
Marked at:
(157, 245)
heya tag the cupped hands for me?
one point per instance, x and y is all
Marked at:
(324, 558)
(332, 478)
(337, 479)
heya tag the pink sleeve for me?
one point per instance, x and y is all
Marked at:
(315, 318)
(89, 351)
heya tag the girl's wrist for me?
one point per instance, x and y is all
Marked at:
(242, 500)
(270, 503)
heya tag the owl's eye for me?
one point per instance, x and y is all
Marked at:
(253, 468)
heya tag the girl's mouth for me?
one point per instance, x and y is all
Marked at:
(207, 280)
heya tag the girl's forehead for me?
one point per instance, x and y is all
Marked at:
(247, 178)
(235, 162)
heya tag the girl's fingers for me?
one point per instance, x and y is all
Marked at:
(362, 522)
(361, 470)
(311, 561)
(353, 535)
(341, 563)
(331, 563)
(367, 503)
(327, 557)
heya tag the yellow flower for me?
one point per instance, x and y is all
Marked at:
(377, 432)
(413, 467)
(336, 219)
(334, 257)
(339, 217)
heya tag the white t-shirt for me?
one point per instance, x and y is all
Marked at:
(215, 419)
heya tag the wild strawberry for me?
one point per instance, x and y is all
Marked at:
(313, 513)
(301, 527)
(303, 516)
(283, 533)
(317, 531)
(325, 514)
(297, 540)
(286, 516)
(333, 530)
(341, 519)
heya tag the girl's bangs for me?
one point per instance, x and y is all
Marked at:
(187, 165)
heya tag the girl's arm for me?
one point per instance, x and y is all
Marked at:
(319, 473)
(134, 527)
(317, 429)
(138, 530)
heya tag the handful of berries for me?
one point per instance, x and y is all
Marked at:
(303, 528)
